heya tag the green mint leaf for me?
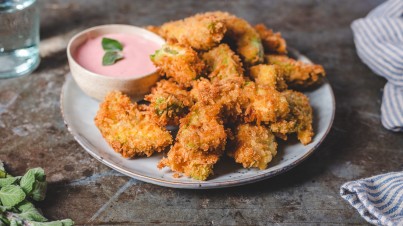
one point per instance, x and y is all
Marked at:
(7, 181)
(109, 44)
(111, 57)
(29, 212)
(3, 174)
(4, 220)
(31, 177)
(11, 195)
(39, 190)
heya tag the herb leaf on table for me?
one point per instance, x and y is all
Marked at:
(16, 194)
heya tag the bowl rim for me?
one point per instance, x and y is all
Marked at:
(100, 27)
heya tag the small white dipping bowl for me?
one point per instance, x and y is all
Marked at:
(97, 85)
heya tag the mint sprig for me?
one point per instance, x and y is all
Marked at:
(113, 51)
(16, 194)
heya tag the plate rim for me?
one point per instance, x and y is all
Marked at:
(194, 185)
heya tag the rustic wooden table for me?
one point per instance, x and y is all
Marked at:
(32, 132)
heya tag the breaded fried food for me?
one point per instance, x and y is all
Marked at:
(272, 42)
(248, 42)
(255, 146)
(299, 119)
(193, 163)
(178, 62)
(169, 102)
(201, 32)
(200, 142)
(202, 129)
(154, 29)
(268, 76)
(224, 93)
(128, 130)
(222, 63)
(263, 104)
(297, 74)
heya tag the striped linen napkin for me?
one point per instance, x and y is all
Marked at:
(378, 199)
(379, 42)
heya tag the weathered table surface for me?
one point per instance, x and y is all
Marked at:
(32, 132)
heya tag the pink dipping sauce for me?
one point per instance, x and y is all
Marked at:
(136, 53)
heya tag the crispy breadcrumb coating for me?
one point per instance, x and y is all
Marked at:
(200, 142)
(268, 76)
(193, 163)
(178, 62)
(248, 42)
(201, 31)
(255, 146)
(222, 63)
(202, 129)
(296, 73)
(263, 104)
(299, 119)
(154, 29)
(226, 74)
(128, 130)
(224, 93)
(169, 102)
(272, 42)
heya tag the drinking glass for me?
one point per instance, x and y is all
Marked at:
(19, 37)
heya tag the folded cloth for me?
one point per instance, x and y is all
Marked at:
(379, 42)
(378, 199)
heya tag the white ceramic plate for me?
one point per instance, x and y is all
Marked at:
(79, 111)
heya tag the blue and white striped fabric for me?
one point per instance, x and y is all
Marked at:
(379, 42)
(378, 199)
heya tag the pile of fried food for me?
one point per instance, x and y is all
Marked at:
(226, 84)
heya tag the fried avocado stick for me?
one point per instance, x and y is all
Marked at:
(200, 142)
(222, 63)
(226, 74)
(128, 130)
(169, 102)
(202, 129)
(224, 93)
(255, 146)
(268, 76)
(263, 104)
(193, 163)
(201, 32)
(299, 119)
(296, 73)
(272, 42)
(178, 62)
(248, 42)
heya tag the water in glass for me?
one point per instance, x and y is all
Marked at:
(19, 37)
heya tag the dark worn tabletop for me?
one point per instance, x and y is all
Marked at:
(32, 132)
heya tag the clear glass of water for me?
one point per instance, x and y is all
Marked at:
(19, 37)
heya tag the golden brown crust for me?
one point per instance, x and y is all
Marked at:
(263, 104)
(200, 142)
(272, 42)
(128, 130)
(296, 73)
(268, 76)
(181, 63)
(299, 119)
(248, 42)
(169, 102)
(255, 146)
(201, 31)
